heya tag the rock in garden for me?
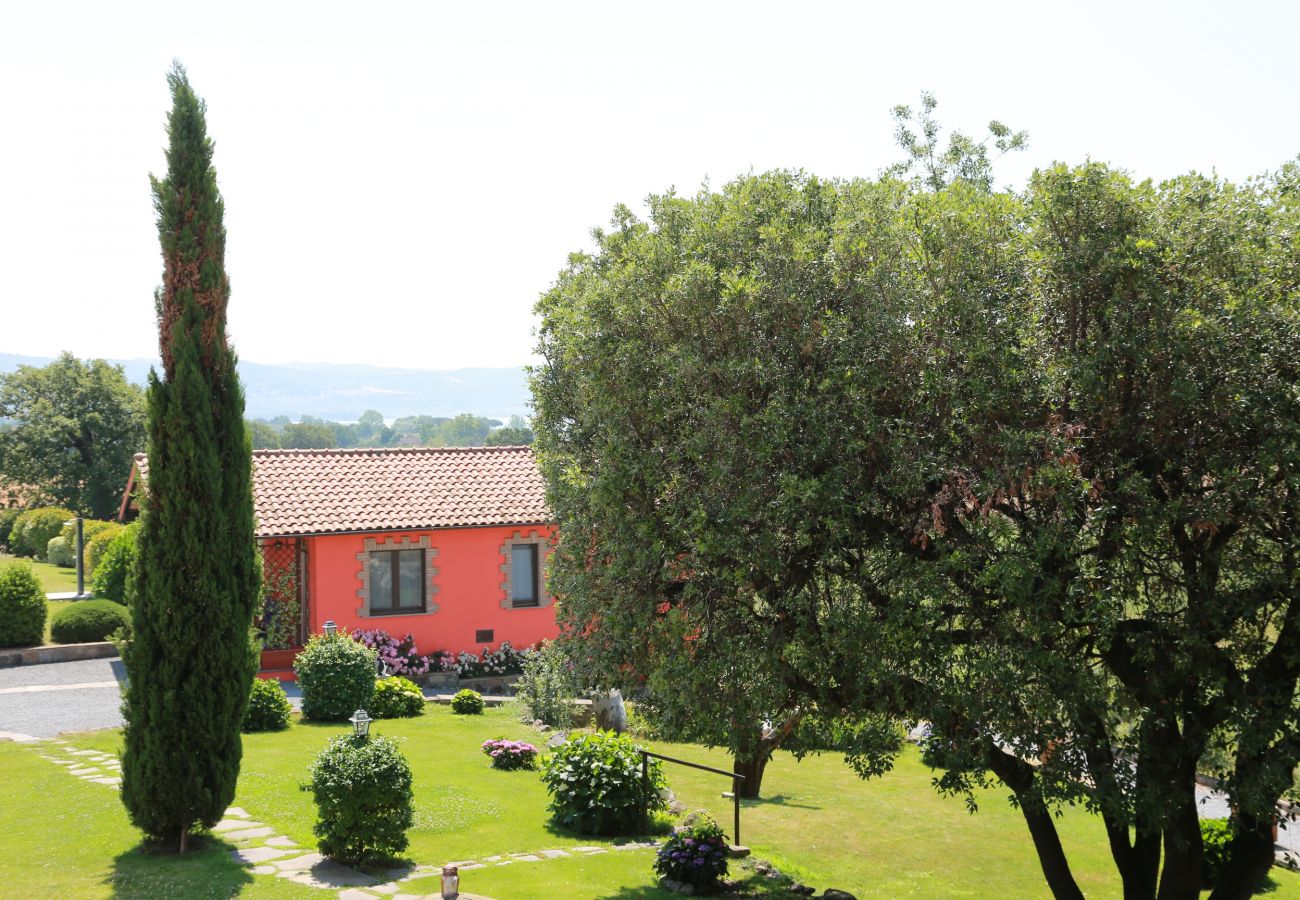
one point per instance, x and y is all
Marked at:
(833, 894)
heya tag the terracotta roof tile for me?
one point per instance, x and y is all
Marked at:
(323, 491)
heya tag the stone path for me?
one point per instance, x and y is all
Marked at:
(266, 852)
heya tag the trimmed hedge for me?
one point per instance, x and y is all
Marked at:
(268, 706)
(362, 788)
(337, 677)
(97, 544)
(467, 703)
(22, 607)
(86, 621)
(396, 698)
(113, 574)
(33, 529)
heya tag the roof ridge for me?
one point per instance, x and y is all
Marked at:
(340, 451)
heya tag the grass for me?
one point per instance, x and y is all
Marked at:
(891, 837)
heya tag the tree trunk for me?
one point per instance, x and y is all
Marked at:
(1250, 857)
(751, 769)
(1019, 776)
(751, 761)
(1180, 877)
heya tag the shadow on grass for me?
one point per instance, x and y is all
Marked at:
(777, 800)
(207, 870)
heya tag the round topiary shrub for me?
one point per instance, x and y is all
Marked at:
(22, 607)
(58, 552)
(596, 785)
(467, 703)
(695, 855)
(87, 621)
(98, 541)
(396, 698)
(337, 677)
(363, 796)
(268, 707)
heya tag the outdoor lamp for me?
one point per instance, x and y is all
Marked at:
(450, 883)
(330, 628)
(361, 723)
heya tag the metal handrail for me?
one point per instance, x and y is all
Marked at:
(735, 777)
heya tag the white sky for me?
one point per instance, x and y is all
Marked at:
(403, 179)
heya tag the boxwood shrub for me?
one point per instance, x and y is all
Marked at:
(58, 552)
(467, 702)
(268, 706)
(362, 788)
(596, 786)
(22, 606)
(337, 677)
(86, 621)
(396, 698)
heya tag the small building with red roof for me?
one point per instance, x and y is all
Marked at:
(448, 545)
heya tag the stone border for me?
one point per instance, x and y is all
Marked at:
(430, 570)
(29, 656)
(543, 551)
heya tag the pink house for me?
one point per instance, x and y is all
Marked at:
(447, 544)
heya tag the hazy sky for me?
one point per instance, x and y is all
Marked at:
(403, 179)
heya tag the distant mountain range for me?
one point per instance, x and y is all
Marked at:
(343, 392)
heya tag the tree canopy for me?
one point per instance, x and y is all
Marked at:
(76, 426)
(1025, 465)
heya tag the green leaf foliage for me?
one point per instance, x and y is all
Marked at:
(362, 788)
(22, 606)
(86, 621)
(190, 662)
(596, 785)
(1025, 465)
(78, 425)
(396, 698)
(98, 542)
(547, 687)
(336, 675)
(467, 703)
(113, 579)
(268, 706)
(8, 516)
(35, 528)
(695, 855)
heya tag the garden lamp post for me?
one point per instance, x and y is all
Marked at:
(81, 556)
(450, 883)
(330, 628)
(361, 723)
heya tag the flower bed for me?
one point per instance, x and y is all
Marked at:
(511, 755)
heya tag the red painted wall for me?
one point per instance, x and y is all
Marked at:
(469, 590)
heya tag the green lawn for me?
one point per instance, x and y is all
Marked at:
(893, 837)
(53, 579)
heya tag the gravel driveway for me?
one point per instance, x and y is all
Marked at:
(44, 700)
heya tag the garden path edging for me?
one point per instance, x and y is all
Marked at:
(56, 653)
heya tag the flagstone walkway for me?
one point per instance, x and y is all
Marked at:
(269, 853)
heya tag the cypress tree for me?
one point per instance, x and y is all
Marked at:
(191, 661)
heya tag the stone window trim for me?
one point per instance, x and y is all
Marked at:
(543, 551)
(424, 543)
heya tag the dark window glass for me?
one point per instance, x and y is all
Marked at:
(396, 580)
(523, 574)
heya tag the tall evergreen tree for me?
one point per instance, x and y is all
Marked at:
(191, 662)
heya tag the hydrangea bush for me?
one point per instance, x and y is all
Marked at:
(596, 785)
(696, 855)
(396, 698)
(505, 660)
(511, 755)
(401, 657)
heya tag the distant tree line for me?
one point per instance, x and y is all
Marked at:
(372, 430)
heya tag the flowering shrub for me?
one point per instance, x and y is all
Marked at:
(511, 755)
(505, 660)
(400, 656)
(696, 855)
(596, 785)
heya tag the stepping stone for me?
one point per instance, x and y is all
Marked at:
(256, 855)
(553, 854)
(112, 781)
(389, 888)
(233, 825)
(61, 762)
(236, 813)
(491, 859)
(281, 841)
(263, 870)
(85, 753)
(527, 857)
(329, 874)
(84, 770)
(588, 849)
(471, 867)
(248, 834)
(354, 894)
(503, 862)
(299, 863)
